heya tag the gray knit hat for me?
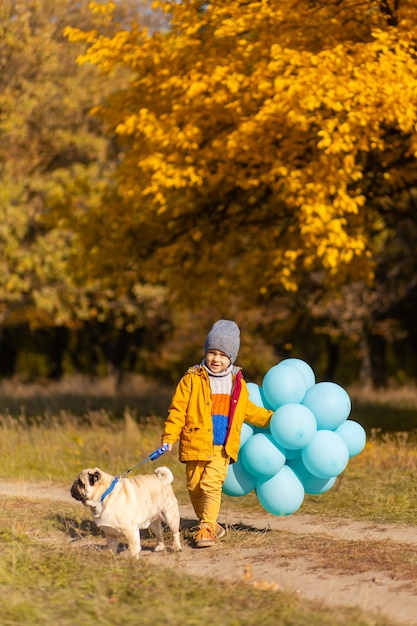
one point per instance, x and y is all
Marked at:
(224, 336)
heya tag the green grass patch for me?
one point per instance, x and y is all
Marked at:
(47, 434)
(380, 484)
(44, 581)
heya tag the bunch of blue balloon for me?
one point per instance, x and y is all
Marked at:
(307, 445)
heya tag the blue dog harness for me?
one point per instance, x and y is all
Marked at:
(110, 488)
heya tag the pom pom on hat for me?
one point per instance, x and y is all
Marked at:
(224, 336)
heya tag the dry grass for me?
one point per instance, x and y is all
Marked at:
(380, 484)
(394, 395)
(80, 396)
(397, 560)
(44, 581)
(51, 432)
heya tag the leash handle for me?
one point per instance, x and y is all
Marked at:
(159, 452)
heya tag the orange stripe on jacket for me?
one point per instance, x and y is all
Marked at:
(220, 411)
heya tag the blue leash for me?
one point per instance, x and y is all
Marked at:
(152, 457)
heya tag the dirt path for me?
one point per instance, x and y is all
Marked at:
(389, 591)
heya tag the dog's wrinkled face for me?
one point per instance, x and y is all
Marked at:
(86, 485)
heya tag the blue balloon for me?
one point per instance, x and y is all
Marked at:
(246, 432)
(313, 485)
(292, 454)
(239, 482)
(282, 494)
(304, 368)
(293, 426)
(262, 456)
(330, 404)
(326, 455)
(283, 384)
(255, 394)
(259, 429)
(354, 436)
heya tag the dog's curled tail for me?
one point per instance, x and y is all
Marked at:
(164, 474)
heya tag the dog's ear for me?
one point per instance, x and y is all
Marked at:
(93, 478)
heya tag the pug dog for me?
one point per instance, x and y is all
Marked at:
(123, 506)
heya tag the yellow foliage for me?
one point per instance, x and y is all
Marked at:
(265, 109)
(102, 8)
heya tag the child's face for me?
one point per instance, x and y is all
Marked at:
(217, 361)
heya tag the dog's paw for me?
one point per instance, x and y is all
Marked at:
(160, 547)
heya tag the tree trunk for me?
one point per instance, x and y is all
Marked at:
(378, 357)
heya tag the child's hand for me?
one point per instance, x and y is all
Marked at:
(166, 447)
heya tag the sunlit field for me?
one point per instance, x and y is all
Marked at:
(50, 432)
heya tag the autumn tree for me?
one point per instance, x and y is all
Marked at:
(268, 148)
(53, 150)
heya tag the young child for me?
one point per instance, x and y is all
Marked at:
(207, 411)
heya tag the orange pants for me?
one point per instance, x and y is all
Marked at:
(204, 483)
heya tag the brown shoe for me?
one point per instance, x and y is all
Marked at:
(220, 531)
(205, 537)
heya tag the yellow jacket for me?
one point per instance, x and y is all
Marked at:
(189, 418)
